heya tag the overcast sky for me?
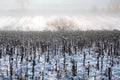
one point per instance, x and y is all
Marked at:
(52, 4)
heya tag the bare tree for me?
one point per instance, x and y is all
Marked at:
(94, 8)
(22, 4)
(114, 5)
(61, 24)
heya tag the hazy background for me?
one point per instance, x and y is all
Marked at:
(53, 6)
(34, 14)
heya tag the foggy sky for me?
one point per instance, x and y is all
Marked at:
(51, 5)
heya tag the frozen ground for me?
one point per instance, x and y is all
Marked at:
(50, 66)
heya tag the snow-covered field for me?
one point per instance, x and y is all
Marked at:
(36, 65)
(84, 21)
(33, 63)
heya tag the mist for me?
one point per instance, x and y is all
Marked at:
(52, 6)
(33, 15)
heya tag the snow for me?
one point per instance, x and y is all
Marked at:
(83, 21)
(48, 67)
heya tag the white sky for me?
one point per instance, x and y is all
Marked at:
(51, 4)
(50, 7)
